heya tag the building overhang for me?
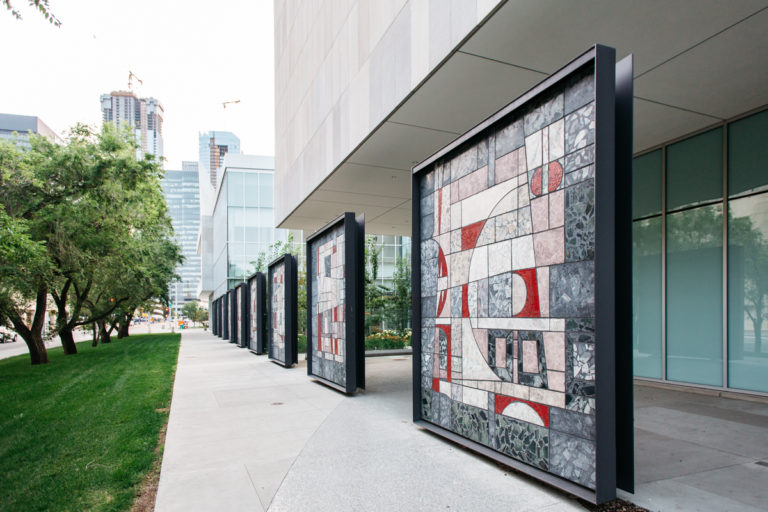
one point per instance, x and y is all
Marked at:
(695, 66)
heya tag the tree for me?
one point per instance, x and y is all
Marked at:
(397, 311)
(101, 216)
(374, 292)
(189, 310)
(40, 5)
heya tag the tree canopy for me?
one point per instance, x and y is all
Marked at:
(90, 228)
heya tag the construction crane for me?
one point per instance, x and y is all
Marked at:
(131, 76)
(225, 103)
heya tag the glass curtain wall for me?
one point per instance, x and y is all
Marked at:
(250, 222)
(684, 325)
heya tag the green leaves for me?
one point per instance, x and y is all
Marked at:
(86, 220)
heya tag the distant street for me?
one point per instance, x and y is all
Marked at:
(19, 347)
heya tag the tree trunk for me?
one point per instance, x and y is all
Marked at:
(122, 331)
(104, 333)
(37, 351)
(67, 340)
(95, 342)
(33, 335)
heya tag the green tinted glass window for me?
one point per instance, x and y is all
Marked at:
(695, 169)
(646, 184)
(748, 154)
(646, 297)
(695, 295)
(748, 293)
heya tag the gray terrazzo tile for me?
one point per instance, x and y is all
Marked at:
(482, 153)
(580, 128)
(464, 163)
(426, 404)
(500, 295)
(580, 222)
(470, 422)
(583, 174)
(579, 92)
(572, 289)
(523, 441)
(546, 112)
(573, 458)
(427, 204)
(427, 184)
(509, 138)
(446, 418)
(427, 226)
(429, 277)
(578, 159)
(570, 422)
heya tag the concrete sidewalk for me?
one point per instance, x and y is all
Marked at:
(246, 434)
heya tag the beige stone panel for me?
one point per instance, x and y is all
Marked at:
(554, 350)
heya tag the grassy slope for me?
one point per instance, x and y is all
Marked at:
(80, 433)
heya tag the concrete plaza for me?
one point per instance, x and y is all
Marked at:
(246, 434)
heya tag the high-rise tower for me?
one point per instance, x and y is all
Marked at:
(144, 115)
(213, 147)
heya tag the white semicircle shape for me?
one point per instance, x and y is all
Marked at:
(473, 364)
(524, 412)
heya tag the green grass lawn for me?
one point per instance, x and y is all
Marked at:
(81, 432)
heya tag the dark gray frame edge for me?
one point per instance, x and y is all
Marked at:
(291, 310)
(225, 315)
(625, 433)
(354, 344)
(232, 299)
(242, 305)
(606, 447)
(261, 287)
(605, 273)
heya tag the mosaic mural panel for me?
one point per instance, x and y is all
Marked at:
(335, 342)
(240, 293)
(232, 299)
(281, 321)
(506, 231)
(257, 310)
(277, 320)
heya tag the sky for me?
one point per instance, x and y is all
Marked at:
(191, 55)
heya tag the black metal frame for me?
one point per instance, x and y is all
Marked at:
(354, 301)
(291, 310)
(212, 316)
(219, 314)
(614, 458)
(225, 323)
(232, 320)
(259, 345)
(241, 292)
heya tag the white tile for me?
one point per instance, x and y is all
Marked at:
(522, 253)
(500, 257)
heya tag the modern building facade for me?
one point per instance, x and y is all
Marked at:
(182, 195)
(365, 90)
(17, 128)
(241, 225)
(214, 146)
(143, 115)
(391, 248)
